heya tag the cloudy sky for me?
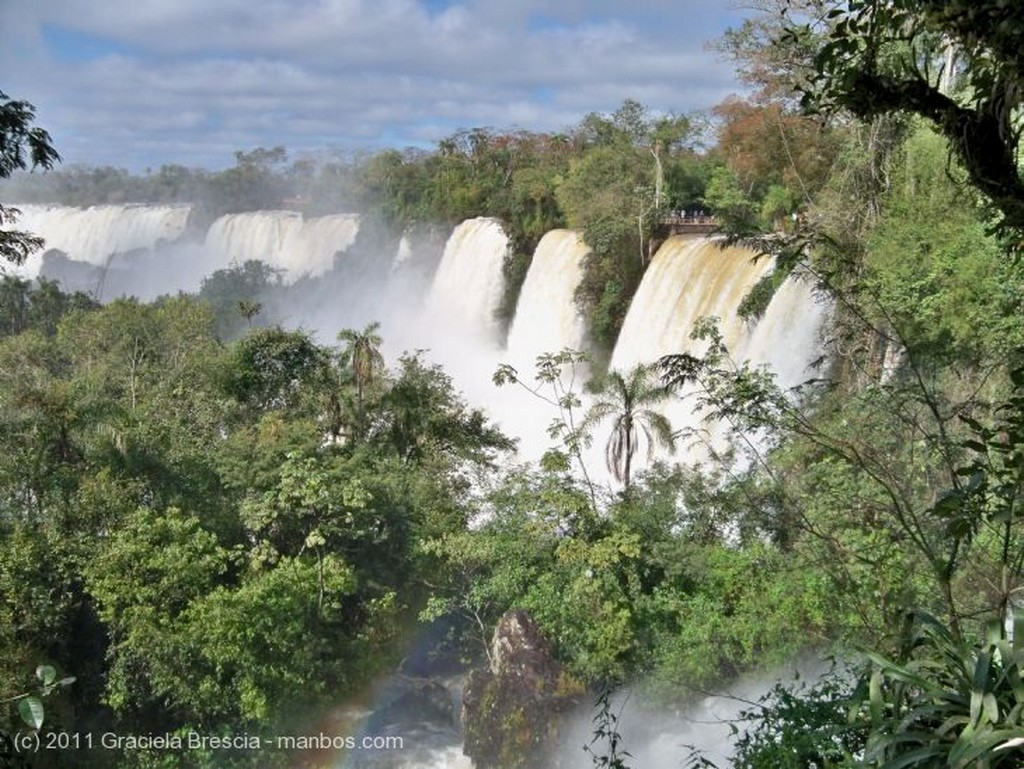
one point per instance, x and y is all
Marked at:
(137, 83)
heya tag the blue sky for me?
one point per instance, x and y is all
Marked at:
(139, 83)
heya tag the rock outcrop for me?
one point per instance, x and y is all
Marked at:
(511, 711)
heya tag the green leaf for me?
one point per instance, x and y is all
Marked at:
(965, 752)
(46, 674)
(949, 504)
(972, 423)
(990, 708)
(978, 686)
(31, 711)
(315, 538)
(929, 755)
(875, 695)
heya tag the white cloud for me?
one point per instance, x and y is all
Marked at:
(192, 80)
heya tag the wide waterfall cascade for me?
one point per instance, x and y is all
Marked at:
(282, 239)
(546, 318)
(95, 234)
(403, 254)
(449, 308)
(693, 279)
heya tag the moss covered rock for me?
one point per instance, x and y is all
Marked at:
(511, 710)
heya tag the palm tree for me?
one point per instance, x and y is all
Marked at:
(628, 400)
(362, 352)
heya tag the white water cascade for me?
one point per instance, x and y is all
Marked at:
(687, 279)
(690, 279)
(455, 321)
(403, 255)
(787, 338)
(546, 321)
(469, 282)
(282, 239)
(95, 234)
(546, 318)
(450, 310)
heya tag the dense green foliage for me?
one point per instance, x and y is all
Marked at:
(958, 64)
(183, 531)
(905, 475)
(215, 522)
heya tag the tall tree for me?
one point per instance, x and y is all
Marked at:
(773, 64)
(271, 367)
(632, 126)
(362, 354)
(613, 194)
(423, 415)
(629, 402)
(235, 293)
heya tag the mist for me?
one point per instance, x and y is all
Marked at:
(705, 723)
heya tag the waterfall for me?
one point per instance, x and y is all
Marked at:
(787, 338)
(450, 309)
(281, 239)
(546, 318)
(468, 286)
(404, 253)
(93, 235)
(456, 322)
(452, 312)
(693, 278)
(688, 279)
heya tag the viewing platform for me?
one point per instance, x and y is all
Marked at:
(684, 224)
